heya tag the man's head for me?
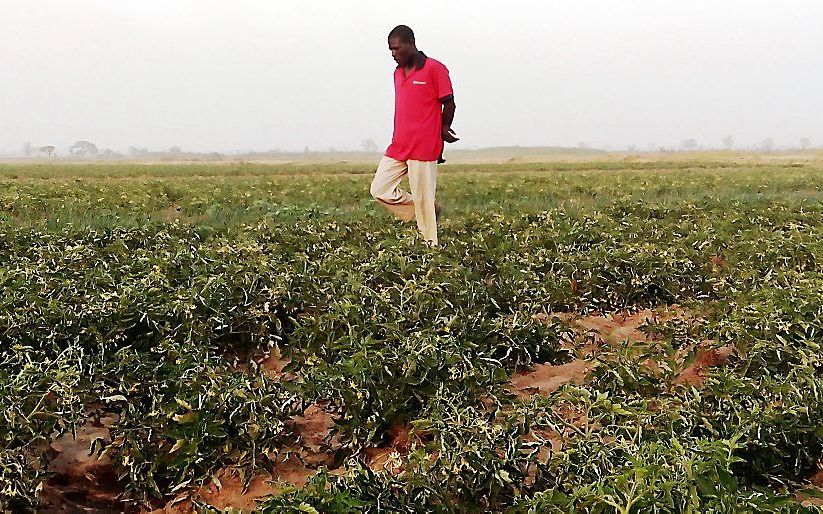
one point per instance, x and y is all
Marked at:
(401, 44)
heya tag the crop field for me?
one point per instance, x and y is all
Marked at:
(613, 336)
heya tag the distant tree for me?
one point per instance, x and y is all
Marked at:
(582, 145)
(137, 152)
(767, 145)
(369, 145)
(688, 144)
(631, 148)
(652, 146)
(27, 149)
(83, 148)
(805, 143)
(175, 149)
(306, 149)
(728, 142)
(48, 149)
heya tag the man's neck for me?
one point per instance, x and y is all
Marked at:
(413, 63)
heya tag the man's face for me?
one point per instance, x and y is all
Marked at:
(401, 52)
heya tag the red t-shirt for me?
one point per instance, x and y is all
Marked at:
(418, 111)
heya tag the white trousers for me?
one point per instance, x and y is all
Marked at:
(417, 205)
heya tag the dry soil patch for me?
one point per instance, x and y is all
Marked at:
(82, 481)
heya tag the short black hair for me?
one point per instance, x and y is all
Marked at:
(403, 33)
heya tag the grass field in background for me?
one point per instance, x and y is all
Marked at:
(227, 195)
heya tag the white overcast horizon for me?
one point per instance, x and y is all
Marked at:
(257, 75)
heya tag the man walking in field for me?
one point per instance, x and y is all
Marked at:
(423, 114)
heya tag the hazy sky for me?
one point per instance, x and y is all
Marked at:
(264, 74)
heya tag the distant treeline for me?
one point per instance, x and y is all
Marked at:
(88, 151)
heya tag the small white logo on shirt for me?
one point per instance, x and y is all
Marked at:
(418, 83)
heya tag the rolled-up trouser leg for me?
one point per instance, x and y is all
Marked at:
(423, 182)
(384, 188)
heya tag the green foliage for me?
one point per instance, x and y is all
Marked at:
(39, 395)
(184, 414)
(145, 293)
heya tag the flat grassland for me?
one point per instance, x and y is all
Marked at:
(615, 335)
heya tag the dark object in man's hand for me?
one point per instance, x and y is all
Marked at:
(449, 136)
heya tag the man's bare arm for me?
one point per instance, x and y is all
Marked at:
(447, 118)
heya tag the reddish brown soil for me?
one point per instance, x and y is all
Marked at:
(694, 374)
(545, 378)
(229, 490)
(588, 334)
(620, 327)
(173, 212)
(180, 505)
(273, 365)
(718, 262)
(817, 478)
(811, 496)
(294, 466)
(548, 442)
(313, 428)
(385, 459)
(82, 482)
(391, 456)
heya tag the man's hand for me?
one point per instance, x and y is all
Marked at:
(448, 117)
(448, 135)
